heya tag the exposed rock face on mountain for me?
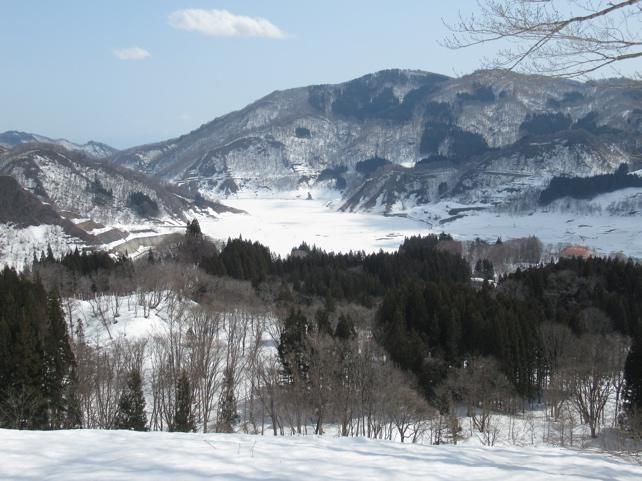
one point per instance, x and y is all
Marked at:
(409, 136)
(78, 187)
(95, 150)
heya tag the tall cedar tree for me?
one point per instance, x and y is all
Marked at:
(183, 415)
(131, 405)
(633, 379)
(37, 380)
(227, 415)
(292, 347)
(60, 375)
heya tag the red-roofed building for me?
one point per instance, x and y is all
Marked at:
(576, 251)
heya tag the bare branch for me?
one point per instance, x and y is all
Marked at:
(562, 38)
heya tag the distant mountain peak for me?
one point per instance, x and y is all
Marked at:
(96, 150)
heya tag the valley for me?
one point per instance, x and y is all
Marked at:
(404, 258)
(359, 166)
(321, 241)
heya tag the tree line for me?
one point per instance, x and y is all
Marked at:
(381, 345)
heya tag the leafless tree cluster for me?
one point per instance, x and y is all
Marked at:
(584, 379)
(349, 385)
(560, 38)
(215, 346)
(101, 372)
(227, 347)
(505, 255)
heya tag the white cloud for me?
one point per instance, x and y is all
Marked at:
(132, 53)
(221, 23)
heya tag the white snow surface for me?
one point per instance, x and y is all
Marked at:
(603, 233)
(284, 220)
(154, 456)
(130, 323)
(18, 245)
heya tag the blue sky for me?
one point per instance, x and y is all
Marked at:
(128, 72)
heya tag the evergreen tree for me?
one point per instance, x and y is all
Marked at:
(27, 379)
(345, 328)
(131, 406)
(227, 415)
(292, 348)
(50, 256)
(59, 366)
(633, 379)
(322, 320)
(193, 230)
(484, 269)
(183, 416)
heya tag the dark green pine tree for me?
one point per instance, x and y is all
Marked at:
(322, 319)
(26, 379)
(22, 312)
(484, 269)
(131, 406)
(633, 380)
(345, 330)
(183, 415)
(227, 415)
(193, 231)
(50, 255)
(59, 370)
(292, 348)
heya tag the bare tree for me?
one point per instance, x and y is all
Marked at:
(594, 368)
(560, 38)
(267, 384)
(483, 388)
(19, 406)
(408, 411)
(109, 377)
(555, 339)
(324, 371)
(169, 355)
(207, 354)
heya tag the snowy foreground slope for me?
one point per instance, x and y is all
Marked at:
(122, 455)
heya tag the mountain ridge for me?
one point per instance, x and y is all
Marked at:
(476, 138)
(78, 186)
(92, 148)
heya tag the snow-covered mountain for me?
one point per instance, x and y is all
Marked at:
(28, 226)
(411, 137)
(54, 197)
(96, 150)
(22, 208)
(78, 187)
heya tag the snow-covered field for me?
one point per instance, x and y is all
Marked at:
(285, 221)
(605, 234)
(122, 455)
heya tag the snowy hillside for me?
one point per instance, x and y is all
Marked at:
(81, 188)
(19, 245)
(123, 455)
(397, 135)
(96, 204)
